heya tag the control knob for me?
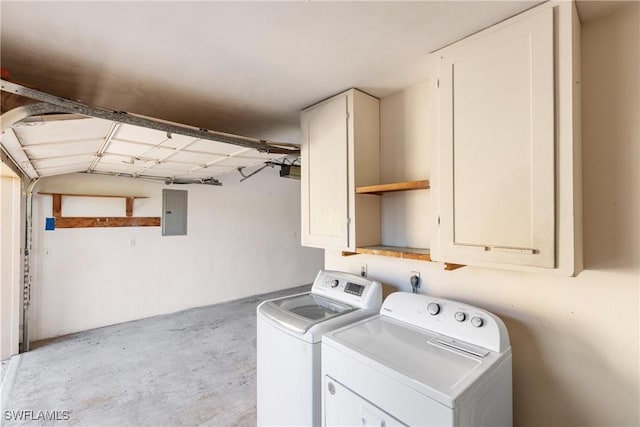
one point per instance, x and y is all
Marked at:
(335, 283)
(433, 308)
(477, 321)
(460, 316)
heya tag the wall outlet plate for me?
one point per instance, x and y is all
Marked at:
(416, 273)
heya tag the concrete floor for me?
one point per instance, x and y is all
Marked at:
(195, 367)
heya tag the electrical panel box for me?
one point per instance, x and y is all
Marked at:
(174, 212)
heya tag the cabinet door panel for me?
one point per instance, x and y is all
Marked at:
(324, 169)
(497, 146)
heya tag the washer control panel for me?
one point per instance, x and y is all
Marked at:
(455, 320)
(348, 288)
(354, 289)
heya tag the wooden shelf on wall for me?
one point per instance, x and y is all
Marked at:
(393, 251)
(117, 196)
(85, 222)
(400, 252)
(396, 186)
(107, 221)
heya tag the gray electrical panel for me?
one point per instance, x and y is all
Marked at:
(174, 212)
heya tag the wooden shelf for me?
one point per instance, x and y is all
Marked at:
(110, 221)
(393, 251)
(84, 222)
(399, 252)
(94, 195)
(396, 186)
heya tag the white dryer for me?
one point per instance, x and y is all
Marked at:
(289, 337)
(421, 362)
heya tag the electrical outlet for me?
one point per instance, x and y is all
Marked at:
(416, 273)
(363, 270)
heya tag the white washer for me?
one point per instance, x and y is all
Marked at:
(289, 337)
(421, 362)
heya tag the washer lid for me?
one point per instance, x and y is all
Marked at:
(432, 364)
(300, 312)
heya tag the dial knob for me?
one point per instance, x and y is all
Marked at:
(332, 388)
(477, 322)
(460, 316)
(335, 283)
(433, 308)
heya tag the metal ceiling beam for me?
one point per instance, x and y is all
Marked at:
(107, 141)
(11, 117)
(167, 156)
(73, 107)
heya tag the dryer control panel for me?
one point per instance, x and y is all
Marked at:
(354, 290)
(455, 320)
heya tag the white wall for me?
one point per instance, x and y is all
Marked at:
(404, 154)
(10, 261)
(243, 239)
(575, 340)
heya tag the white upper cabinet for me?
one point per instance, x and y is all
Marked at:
(508, 161)
(340, 150)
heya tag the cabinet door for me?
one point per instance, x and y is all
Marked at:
(324, 175)
(496, 146)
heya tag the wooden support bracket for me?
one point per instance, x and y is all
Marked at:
(57, 206)
(347, 253)
(129, 206)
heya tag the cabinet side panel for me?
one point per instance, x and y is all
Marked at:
(577, 143)
(366, 169)
(569, 149)
(366, 124)
(367, 224)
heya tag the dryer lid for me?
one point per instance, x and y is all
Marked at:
(299, 313)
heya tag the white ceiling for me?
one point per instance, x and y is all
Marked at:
(245, 68)
(240, 67)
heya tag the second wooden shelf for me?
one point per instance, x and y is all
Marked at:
(396, 186)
